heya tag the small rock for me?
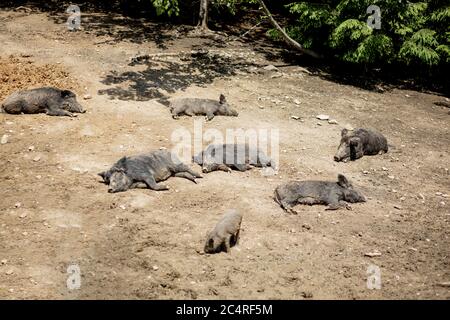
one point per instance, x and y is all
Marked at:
(307, 294)
(9, 272)
(277, 75)
(22, 215)
(397, 207)
(87, 97)
(323, 117)
(295, 117)
(444, 284)
(155, 268)
(4, 261)
(17, 205)
(365, 172)
(297, 102)
(391, 177)
(30, 148)
(306, 226)
(332, 121)
(4, 139)
(372, 254)
(36, 159)
(270, 67)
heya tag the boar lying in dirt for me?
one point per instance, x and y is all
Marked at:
(131, 172)
(360, 142)
(333, 194)
(225, 234)
(207, 107)
(223, 157)
(48, 100)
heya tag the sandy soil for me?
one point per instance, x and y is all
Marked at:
(143, 244)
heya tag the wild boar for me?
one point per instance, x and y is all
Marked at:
(360, 142)
(130, 172)
(225, 234)
(333, 194)
(196, 106)
(224, 157)
(48, 100)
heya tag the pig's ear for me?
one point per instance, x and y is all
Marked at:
(67, 94)
(211, 243)
(343, 182)
(102, 174)
(344, 132)
(222, 99)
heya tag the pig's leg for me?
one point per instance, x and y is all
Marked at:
(209, 116)
(242, 167)
(151, 183)
(338, 205)
(227, 243)
(216, 167)
(185, 175)
(236, 237)
(185, 168)
(59, 112)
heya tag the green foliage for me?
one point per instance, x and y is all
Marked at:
(169, 7)
(412, 32)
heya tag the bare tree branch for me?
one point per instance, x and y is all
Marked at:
(285, 36)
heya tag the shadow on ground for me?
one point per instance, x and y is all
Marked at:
(164, 75)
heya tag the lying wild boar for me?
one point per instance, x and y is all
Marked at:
(225, 234)
(333, 194)
(195, 106)
(130, 172)
(360, 142)
(226, 156)
(48, 100)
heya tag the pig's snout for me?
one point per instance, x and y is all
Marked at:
(336, 158)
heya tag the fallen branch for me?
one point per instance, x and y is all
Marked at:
(294, 44)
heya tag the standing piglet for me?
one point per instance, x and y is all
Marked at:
(224, 157)
(48, 100)
(334, 194)
(225, 234)
(130, 172)
(206, 107)
(360, 142)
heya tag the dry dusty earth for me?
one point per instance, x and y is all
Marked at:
(142, 244)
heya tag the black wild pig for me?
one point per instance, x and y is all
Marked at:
(130, 172)
(360, 142)
(48, 100)
(333, 194)
(225, 234)
(223, 157)
(207, 107)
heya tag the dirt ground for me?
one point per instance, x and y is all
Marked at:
(143, 244)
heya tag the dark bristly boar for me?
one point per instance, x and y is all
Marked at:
(334, 194)
(48, 100)
(360, 142)
(225, 234)
(224, 157)
(206, 107)
(130, 172)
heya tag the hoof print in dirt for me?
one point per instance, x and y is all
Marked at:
(225, 234)
(48, 100)
(334, 194)
(206, 107)
(225, 157)
(131, 172)
(360, 142)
